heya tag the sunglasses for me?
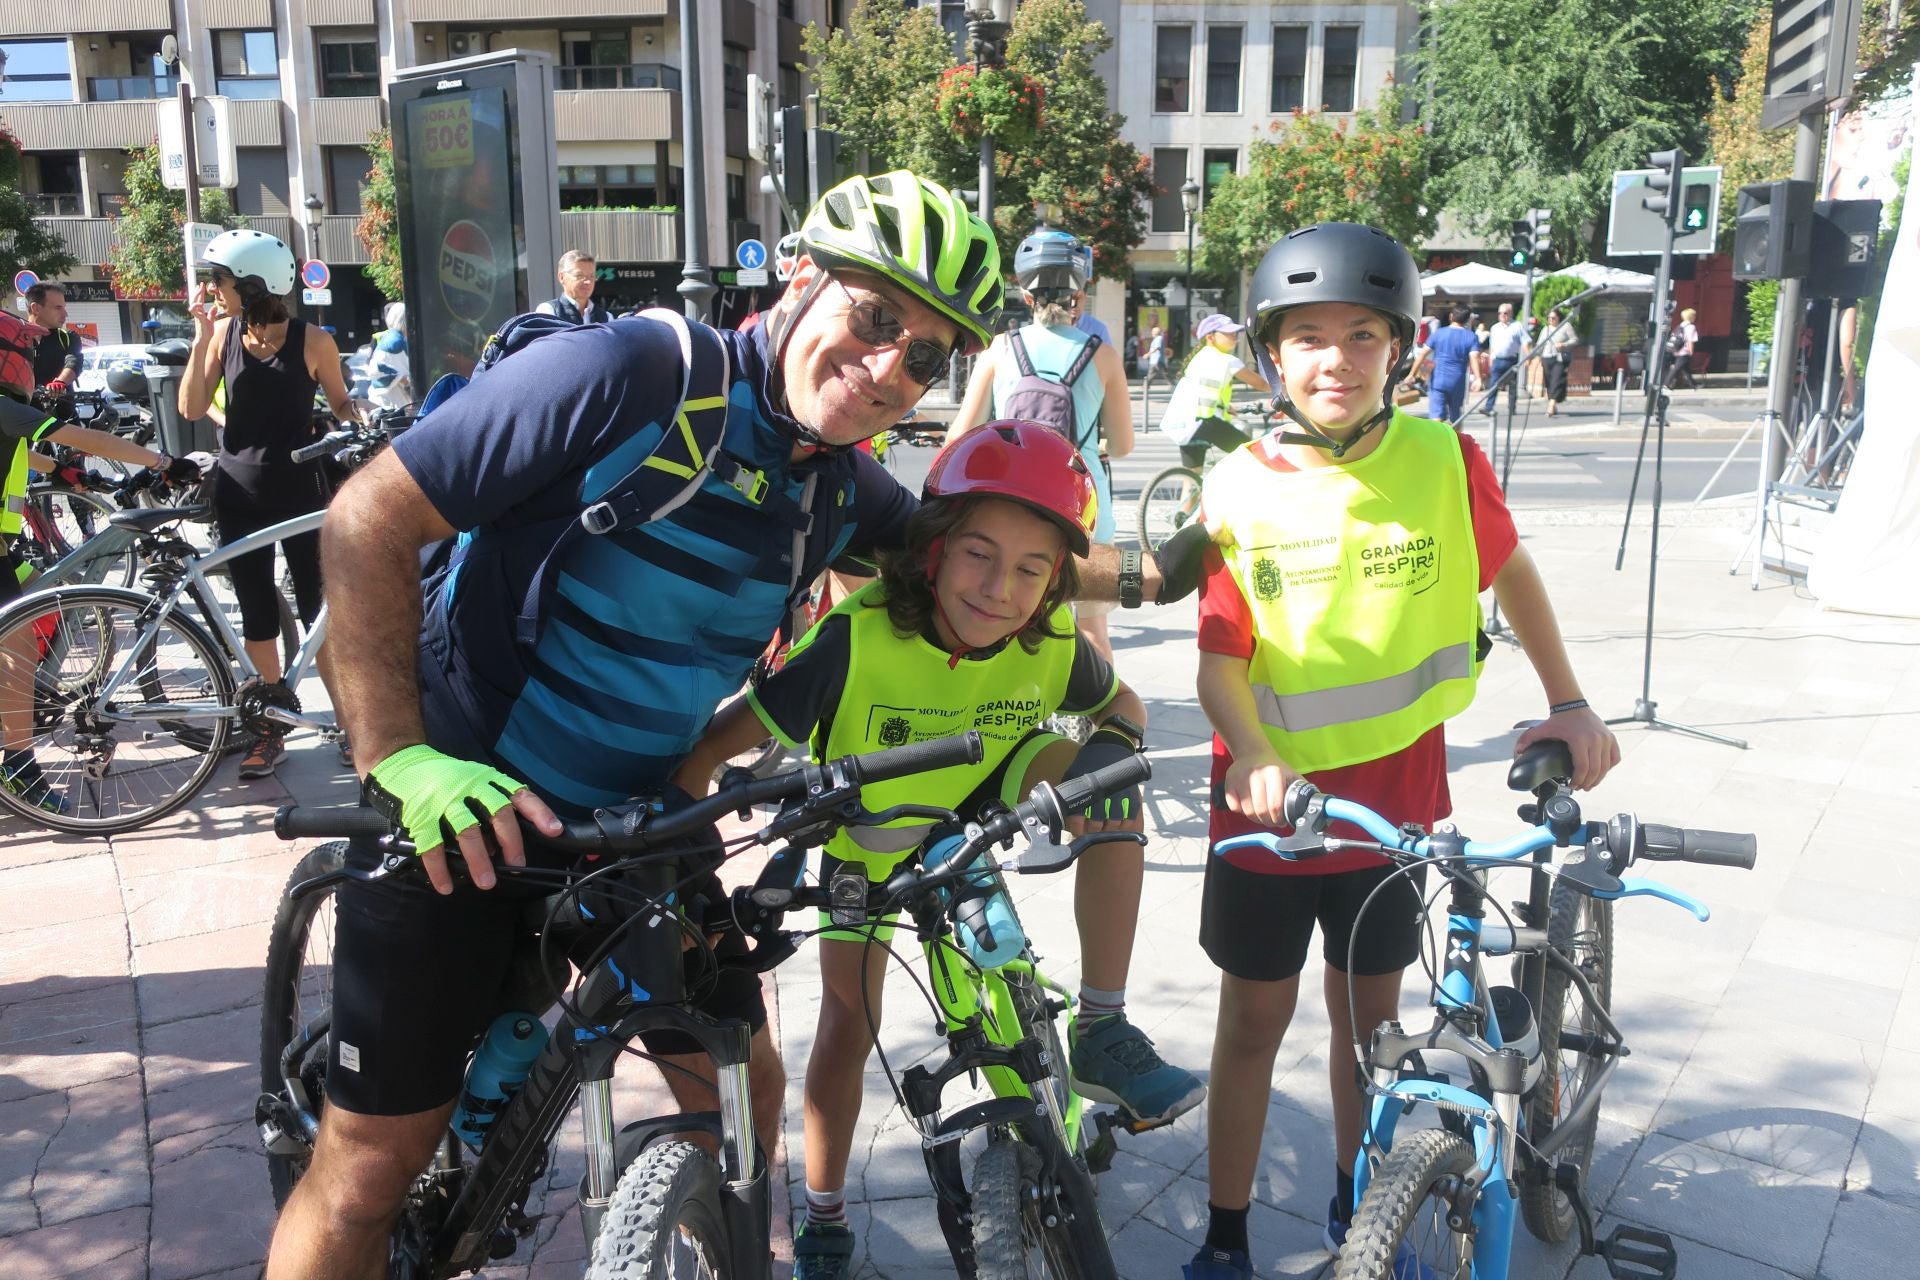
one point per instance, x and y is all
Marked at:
(220, 275)
(870, 322)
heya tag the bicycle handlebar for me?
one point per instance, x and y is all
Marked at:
(635, 828)
(332, 442)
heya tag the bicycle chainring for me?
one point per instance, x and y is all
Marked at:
(256, 696)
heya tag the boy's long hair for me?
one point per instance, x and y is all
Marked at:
(907, 587)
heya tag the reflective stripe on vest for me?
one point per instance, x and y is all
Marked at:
(900, 690)
(14, 518)
(1362, 580)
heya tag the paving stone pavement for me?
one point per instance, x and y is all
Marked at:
(1769, 1116)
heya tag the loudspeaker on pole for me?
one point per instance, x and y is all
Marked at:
(1846, 248)
(1773, 230)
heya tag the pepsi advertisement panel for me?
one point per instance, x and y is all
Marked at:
(471, 217)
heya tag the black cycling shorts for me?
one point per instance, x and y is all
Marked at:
(417, 978)
(1257, 927)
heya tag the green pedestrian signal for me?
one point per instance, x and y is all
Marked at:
(1695, 203)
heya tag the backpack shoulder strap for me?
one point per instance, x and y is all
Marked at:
(666, 478)
(1020, 358)
(689, 440)
(1081, 361)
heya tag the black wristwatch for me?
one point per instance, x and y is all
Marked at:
(1132, 581)
(1121, 724)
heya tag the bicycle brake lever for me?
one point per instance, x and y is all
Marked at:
(932, 812)
(1638, 888)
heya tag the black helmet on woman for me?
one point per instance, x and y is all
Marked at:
(1334, 262)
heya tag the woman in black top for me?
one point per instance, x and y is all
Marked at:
(271, 363)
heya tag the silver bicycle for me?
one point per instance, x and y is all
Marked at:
(126, 698)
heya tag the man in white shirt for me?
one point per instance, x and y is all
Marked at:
(1507, 344)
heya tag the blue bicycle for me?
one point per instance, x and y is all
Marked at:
(1516, 1129)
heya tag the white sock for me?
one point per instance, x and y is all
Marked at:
(1096, 1003)
(827, 1206)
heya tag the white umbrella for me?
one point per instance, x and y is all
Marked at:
(1475, 280)
(1617, 279)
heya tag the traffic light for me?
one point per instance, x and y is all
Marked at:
(1665, 184)
(790, 162)
(1522, 239)
(1696, 206)
(1542, 220)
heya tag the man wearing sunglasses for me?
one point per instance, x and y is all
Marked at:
(461, 726)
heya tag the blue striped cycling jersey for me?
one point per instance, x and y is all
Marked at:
(647, 631)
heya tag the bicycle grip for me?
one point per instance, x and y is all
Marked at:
(1078, 793)
(918, 757)
(1708, 848)
(329, 443)
(336, 822)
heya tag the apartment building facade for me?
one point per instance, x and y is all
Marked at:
(85, 80)
(1197, 83)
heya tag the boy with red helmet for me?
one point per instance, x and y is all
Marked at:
(966, 628)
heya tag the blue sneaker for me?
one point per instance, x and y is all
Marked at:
(20, 774)
(1406, 1264)
(1218, 1264)
(1113, 1061)
(822, 1251)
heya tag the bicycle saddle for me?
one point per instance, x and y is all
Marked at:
(150, 519)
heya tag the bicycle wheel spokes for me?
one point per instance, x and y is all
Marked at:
(111, 762)
(1167, 503)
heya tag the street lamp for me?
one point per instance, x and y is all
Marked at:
(1190, 201)
(988, 26)
(314, 205)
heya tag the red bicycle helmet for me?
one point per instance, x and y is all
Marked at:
(18, 338)
(1024, 462)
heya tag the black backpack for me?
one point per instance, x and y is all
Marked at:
(1037, 397)
(660, 483)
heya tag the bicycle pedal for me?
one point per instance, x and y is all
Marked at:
(1635, 1253)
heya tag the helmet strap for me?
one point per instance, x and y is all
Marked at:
(780, 327)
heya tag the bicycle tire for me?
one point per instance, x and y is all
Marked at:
(1010, 1222)
(1167, 502)
(296, 992)
(108, 804)
(1414, 1176)
(1581, 928)
(666, 1209)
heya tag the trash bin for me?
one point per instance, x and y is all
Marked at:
(166, 365)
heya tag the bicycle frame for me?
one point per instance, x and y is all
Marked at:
(194, 584)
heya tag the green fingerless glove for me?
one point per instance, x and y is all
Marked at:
(435, 797)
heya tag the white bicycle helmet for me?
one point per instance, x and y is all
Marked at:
(253, 255)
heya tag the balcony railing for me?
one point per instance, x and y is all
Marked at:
(623, 236)
(54, 205)
(88, 239)
(247, 87)
(638, 75)
(130, 88)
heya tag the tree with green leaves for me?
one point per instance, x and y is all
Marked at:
(880, 80)
(149, 248)
(25, 245)
(1313, 168)
(1552, 291)
(1745, 152)
(1535, 103)
(379, 227)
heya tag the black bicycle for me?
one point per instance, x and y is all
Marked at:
(651, 1204)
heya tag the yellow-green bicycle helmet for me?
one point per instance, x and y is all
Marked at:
(917, 234)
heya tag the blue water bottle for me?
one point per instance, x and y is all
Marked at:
(984, 921)
(498, 1069)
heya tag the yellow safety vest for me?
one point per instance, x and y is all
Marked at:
(901, 690)
(1363, 583)
(13, 517)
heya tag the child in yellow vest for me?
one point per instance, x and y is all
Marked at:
(1339, 630)
(967, 628)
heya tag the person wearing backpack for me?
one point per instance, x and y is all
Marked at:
(1052, 372)
(606, 583)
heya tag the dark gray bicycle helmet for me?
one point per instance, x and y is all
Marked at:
(1334, 262)
(1050, 261)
